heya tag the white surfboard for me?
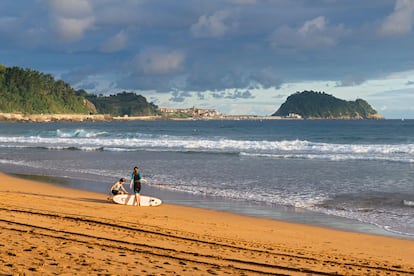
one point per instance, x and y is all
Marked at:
(129, 199)
(408, 203)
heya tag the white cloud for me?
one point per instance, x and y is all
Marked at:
(266, 78)
(116, 43)
(71, 8)
(72, 29)
(71, 18)
(401, 20)
(401, 75)
(216, 25)
(158, 62)
(315, 25)
(313, 33)
(351, 81)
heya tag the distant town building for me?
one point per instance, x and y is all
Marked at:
(193, 111)
(294, 116)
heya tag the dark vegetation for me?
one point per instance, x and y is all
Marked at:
(121, 104)
(310, 104)
(31, 92)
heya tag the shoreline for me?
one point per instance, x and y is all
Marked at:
(250, 209)
(51, 229)
(44, 118)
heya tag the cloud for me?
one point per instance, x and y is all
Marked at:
(279, 96)
(265, 78)
(240, 95)
(78, 75)
(401, 20)
(355, 81)
(16, 30)
(155, 83)
(233, 95)
(315, 25)
(397, 94)
(159, 62)
(72, 29)
(216, 25)
(217, 77)
(116, 43)
(201, 96)
(91, 85)
(179, 96)
(71, 8)
(313, 33)
(218, 94)
(71, 18)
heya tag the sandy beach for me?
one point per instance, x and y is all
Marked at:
(47, 229)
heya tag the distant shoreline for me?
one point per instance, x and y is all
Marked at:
(19, 117)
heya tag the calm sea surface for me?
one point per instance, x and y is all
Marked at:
(355, 175)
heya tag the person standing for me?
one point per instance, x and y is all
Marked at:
(136, 182)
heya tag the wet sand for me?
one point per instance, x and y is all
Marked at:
(47, 229)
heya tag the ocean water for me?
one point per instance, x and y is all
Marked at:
(354, 175)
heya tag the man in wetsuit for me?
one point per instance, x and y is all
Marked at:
(136, 181)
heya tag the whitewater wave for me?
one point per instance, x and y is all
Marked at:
(79, 133)
(287, 149)
(408, 203)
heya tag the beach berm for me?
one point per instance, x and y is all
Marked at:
(47, 229)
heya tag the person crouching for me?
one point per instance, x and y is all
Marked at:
(117, 188)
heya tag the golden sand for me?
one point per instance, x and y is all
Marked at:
(47, 229)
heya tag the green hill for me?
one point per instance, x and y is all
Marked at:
(319, 105)
(121, 104)
(31, 92)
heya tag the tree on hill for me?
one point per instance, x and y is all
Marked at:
(310, 104)
(121, 104)
(29, 91)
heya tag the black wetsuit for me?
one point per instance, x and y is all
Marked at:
(137, 182)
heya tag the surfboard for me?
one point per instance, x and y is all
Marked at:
(408, 203)
(129, 199)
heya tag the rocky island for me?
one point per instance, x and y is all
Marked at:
(319, 105)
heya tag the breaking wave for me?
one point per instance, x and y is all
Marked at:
(84, 140)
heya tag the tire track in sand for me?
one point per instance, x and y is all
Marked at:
(182, 248)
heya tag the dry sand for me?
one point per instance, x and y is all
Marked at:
(46, 230)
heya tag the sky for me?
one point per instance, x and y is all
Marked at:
(240, 57)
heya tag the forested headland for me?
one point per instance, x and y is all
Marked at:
(121, 104)
(319, 105)
(31, 92)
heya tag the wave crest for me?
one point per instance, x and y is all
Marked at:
(289, 149)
